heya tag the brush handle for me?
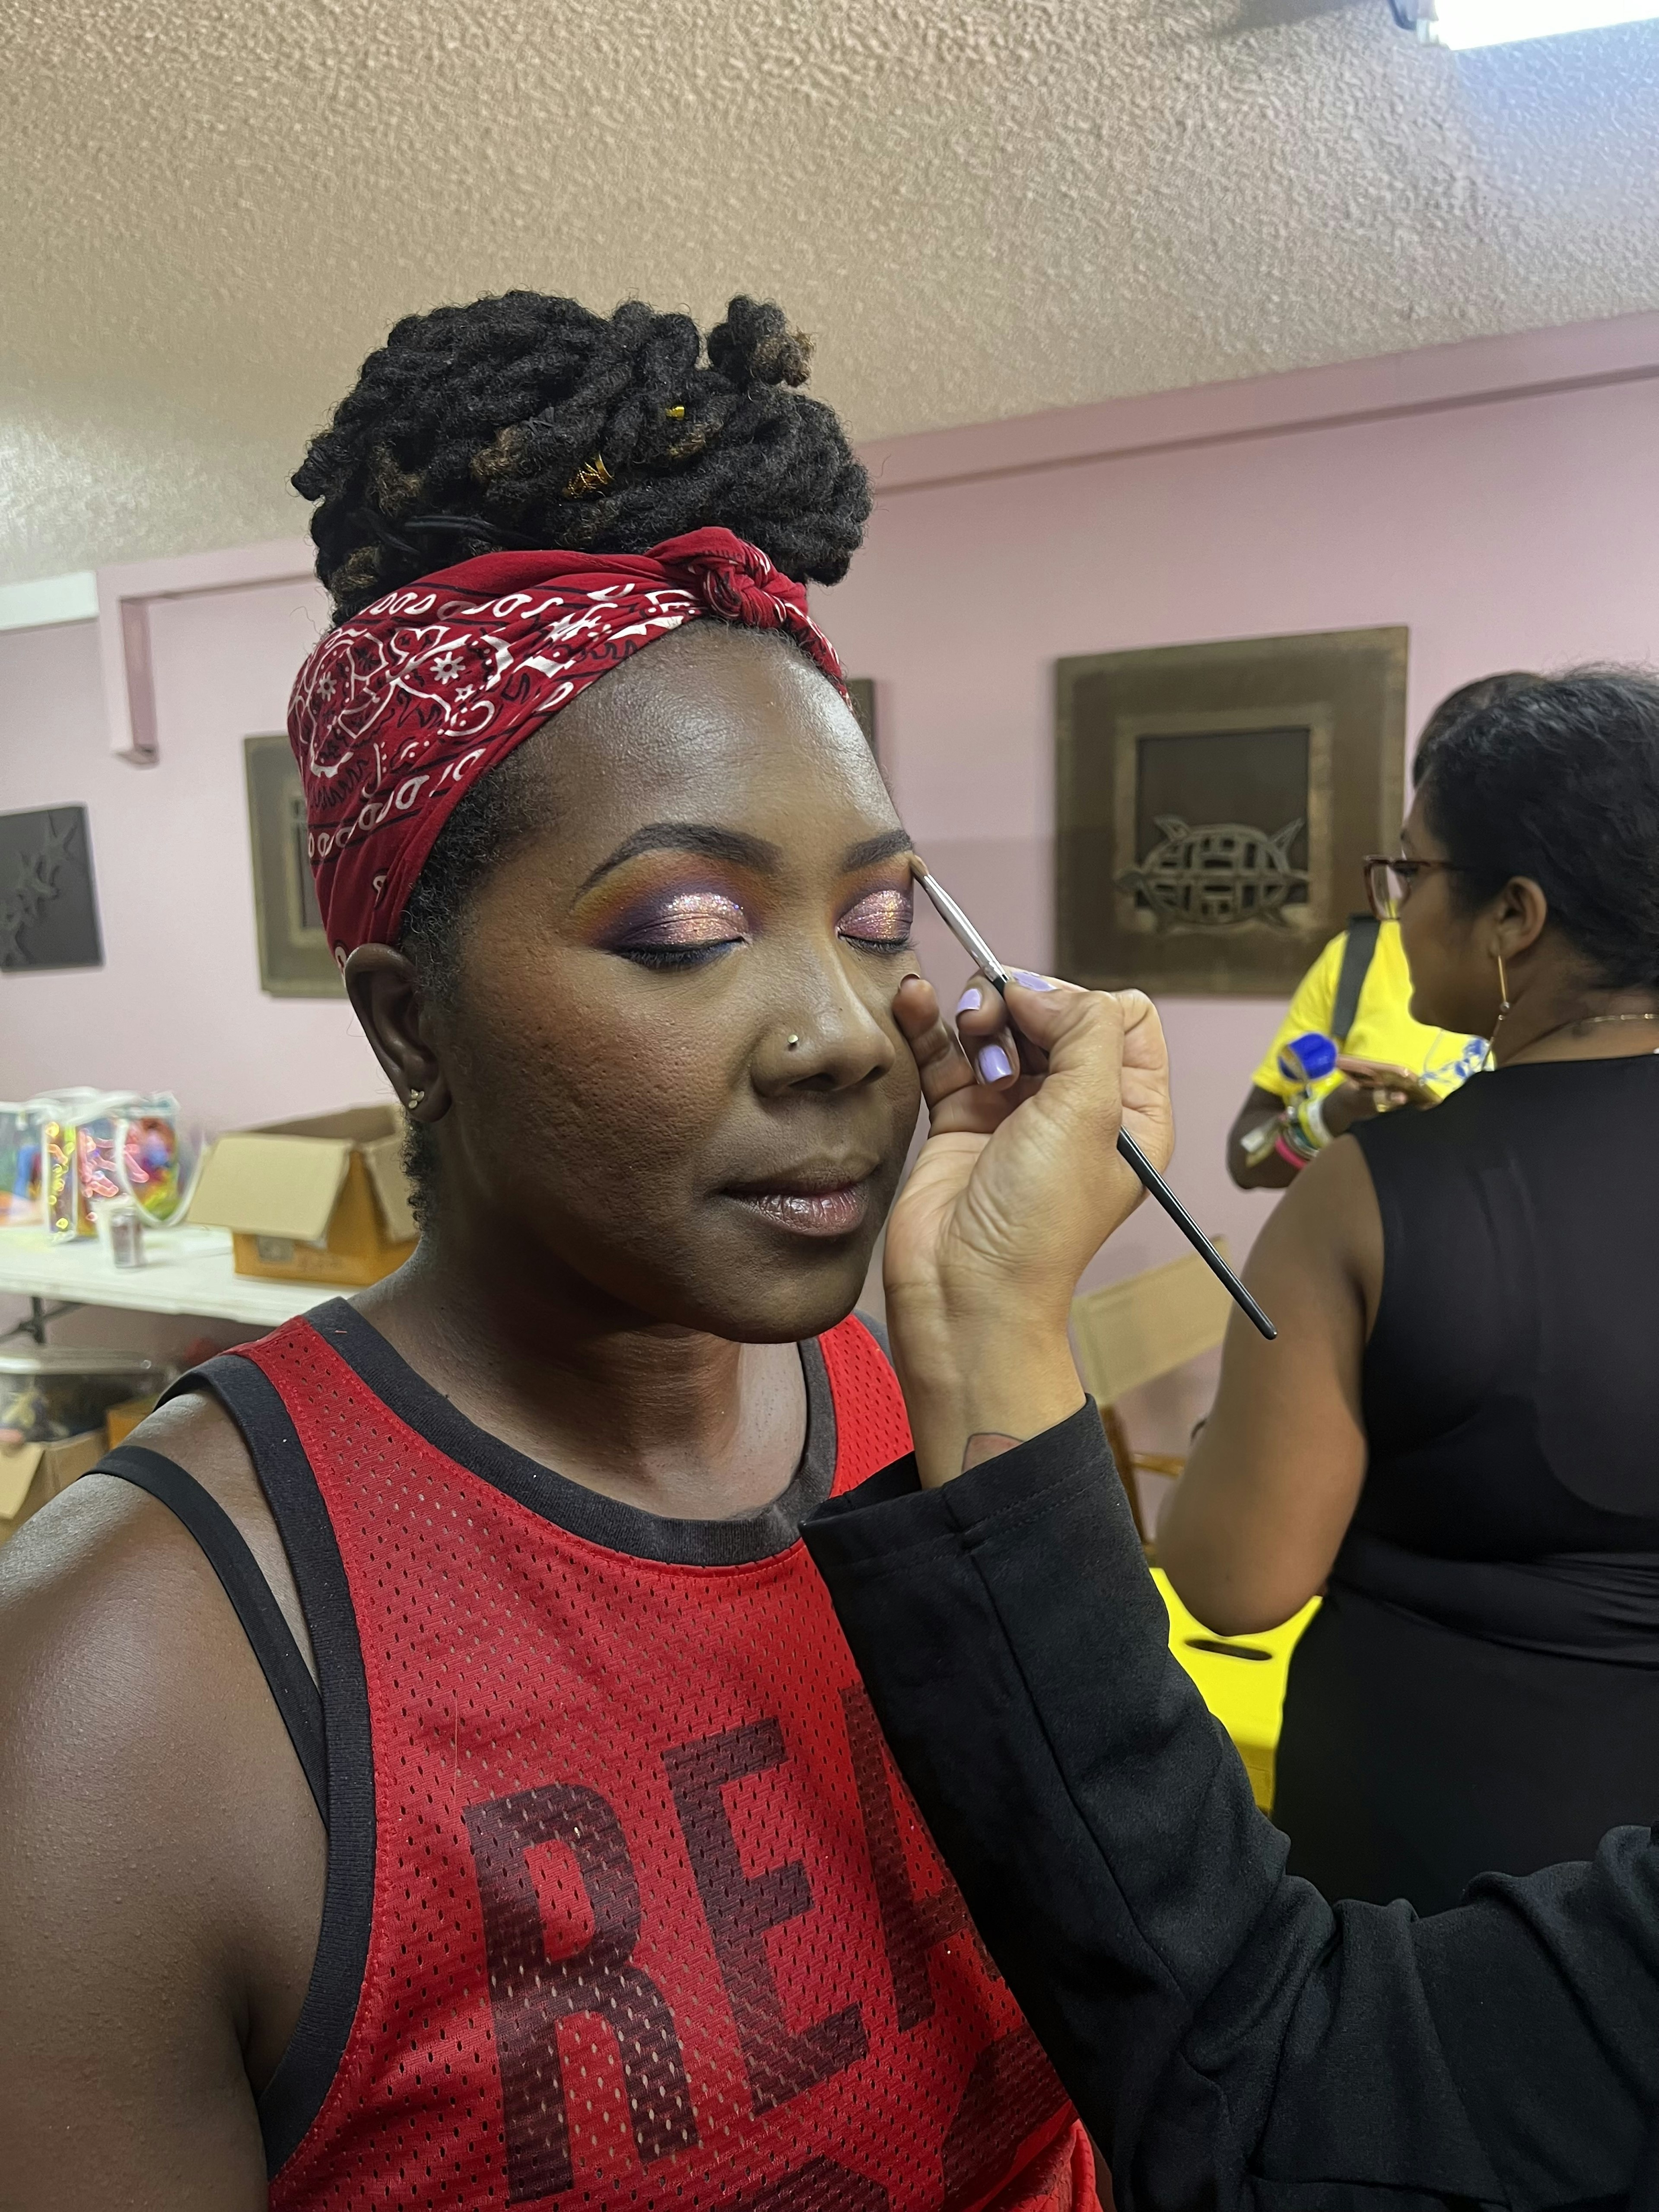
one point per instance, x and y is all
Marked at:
(1195, 1235)
(1035, 1061)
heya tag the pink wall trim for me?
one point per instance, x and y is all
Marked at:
(1577, 355)
(126, 596)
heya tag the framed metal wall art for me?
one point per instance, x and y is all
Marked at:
(48, 902)
(294, 959)
(1215, 804)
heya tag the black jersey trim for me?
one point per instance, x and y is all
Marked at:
(740, 1542)
(293, 2095)
(225, 1550)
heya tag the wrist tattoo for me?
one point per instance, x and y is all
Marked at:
(985, 1443)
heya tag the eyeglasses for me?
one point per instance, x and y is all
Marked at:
(1389, 878)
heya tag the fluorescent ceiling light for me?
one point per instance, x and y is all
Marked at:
(1497, 22)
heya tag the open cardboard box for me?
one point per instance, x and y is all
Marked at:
(320, 1201)
(30, 1475)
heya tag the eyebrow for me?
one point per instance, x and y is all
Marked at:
(699, 837)
(885, 847)
(735, 847)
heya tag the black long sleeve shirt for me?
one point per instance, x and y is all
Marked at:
(1230, 2039)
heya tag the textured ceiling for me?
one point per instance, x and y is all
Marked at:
(214, 208)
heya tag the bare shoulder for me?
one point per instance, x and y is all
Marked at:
(161, 1861)
(197, 1435)
(102, 1532)
(124, 1668)
(1329, 1227)
(111, 1618)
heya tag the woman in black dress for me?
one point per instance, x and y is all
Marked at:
(1457, 1436)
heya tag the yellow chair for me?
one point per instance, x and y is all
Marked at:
(1133, 1332)
(1240, 1680)
(1130, 1334)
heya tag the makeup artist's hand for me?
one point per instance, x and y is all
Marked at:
(1017, 1186)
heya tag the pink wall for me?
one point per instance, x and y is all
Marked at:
(1502, 498)
(177, 1005)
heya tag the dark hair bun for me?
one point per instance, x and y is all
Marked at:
(755, 345)
(541, 423)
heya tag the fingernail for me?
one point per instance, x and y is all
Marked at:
(970, 1000)
(993, 1064)
(1031, 982)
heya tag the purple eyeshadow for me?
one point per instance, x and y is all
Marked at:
(684, 918)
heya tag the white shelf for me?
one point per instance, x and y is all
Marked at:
(186, 1271)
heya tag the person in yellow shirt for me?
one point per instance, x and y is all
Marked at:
(1356, 993)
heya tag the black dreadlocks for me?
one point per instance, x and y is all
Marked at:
(545, 425)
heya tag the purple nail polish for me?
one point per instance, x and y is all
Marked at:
(1031, 982)
(970, 1001)
(994, 1065)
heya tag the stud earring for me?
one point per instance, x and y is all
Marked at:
(413, 1101)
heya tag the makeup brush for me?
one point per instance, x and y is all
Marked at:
(980, 953)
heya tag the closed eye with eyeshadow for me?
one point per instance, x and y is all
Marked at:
(683, 928)
(688, 926)
(881, 920)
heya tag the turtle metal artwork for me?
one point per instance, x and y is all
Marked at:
(1217, 876)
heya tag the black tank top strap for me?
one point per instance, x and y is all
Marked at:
(227, 1552)
(295, 2094)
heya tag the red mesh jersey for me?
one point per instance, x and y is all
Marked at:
(653, 1923)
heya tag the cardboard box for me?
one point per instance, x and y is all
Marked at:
(30, 1475)
(320, 1200)
(121, 1420)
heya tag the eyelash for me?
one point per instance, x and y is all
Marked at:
(677, 956)
(877, 943)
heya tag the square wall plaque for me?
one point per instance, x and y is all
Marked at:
(1215, 804)
(48, 903)
(294, 959)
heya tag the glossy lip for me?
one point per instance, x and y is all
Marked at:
(827, 1202)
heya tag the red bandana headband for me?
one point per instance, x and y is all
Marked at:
(400, 710)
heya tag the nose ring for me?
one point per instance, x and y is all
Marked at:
(791, 1041)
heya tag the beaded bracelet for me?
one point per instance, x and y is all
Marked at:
(1291, 1146)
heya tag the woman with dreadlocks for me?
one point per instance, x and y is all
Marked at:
(431, 1772)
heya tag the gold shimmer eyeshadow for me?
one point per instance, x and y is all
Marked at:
(881, 917)
(679, 917)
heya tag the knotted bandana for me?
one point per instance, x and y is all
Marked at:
(403, 707)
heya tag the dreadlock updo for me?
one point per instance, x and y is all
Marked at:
(549, 426)
(527, 421)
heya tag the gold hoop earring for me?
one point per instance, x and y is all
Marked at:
(1502, 1009)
